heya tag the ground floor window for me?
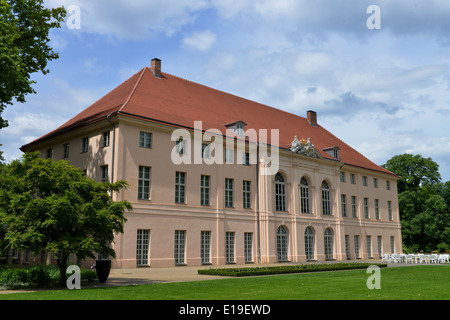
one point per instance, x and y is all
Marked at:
(205, 246)
(328, 237)
(369, 246)
(282, 244)
(248, 246)
(380, 246)
(229, 244)
(180, 246)
(356, 241)
(309, 244)
(142, 247)
(347, 249)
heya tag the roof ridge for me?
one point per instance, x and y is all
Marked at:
(133, 90)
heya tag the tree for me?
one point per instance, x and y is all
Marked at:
(423, 202)
(415, 171)
(51, 205)
(24, 46)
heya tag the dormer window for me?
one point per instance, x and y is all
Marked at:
(333, 151)
(237, 127)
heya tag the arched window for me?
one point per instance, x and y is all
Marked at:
(280, 193)
(282, 243)
(328, 239)
(309, 243)
(326, 205)
(304, 195)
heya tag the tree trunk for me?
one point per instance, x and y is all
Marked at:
(62, 264)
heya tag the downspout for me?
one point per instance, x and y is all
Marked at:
(113, 148)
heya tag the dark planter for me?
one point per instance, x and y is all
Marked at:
(102, 267)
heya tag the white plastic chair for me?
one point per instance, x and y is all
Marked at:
(396, 258)
(386, 257)
(423, 258)
(409, 257)
(433, 258)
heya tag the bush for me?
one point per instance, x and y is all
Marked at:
(36, 276)
(443, 247)
(256, 271)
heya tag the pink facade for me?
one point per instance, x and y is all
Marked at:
(327, 203)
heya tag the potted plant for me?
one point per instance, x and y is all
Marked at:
(102, 267)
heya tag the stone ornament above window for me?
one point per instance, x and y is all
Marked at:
(304, 148)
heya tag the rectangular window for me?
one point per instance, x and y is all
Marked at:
(246, 194)
(229, 244)
(228, 192)
(144, 183)
(380, 246)
(356, 240)
(352, 178)
(66, 150)
(105, 173)
(205, 246)
(180, 245)
(105, 139)
(342, 176)
(181, 146)
(369, 246)
(354, 207)
(366, 208)
(84, 145)
(377, 209)
(229, 156)
(248, 246)
(204, 190)
(142, 247)
(246, 158)
(375, 182)
(49, 153)
(206, 153)
(364, 181)
(388, 185)
(180, 187)
(392, 244)
(390, 210)
(344, 205)
(145, 140)
(347, 248)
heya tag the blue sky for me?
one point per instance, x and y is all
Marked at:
(383, 91)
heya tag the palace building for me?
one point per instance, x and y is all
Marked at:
(218, 179)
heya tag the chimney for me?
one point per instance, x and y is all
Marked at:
(156, 67)
(312, 117)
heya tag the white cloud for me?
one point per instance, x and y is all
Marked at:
(200, 40)
(135, 19)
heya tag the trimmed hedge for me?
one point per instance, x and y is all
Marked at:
(257, 271)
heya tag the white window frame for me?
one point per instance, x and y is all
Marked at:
(142, 247)
(144, 183)
(180, 247)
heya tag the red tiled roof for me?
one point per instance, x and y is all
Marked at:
(180, 102)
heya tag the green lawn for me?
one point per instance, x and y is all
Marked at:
(407, 283)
